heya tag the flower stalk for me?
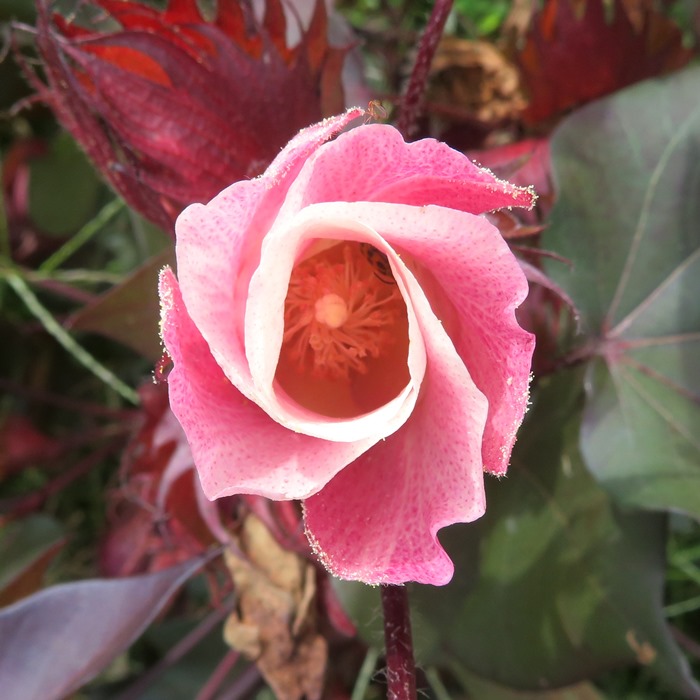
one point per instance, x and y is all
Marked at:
(412, 101)
(400, 665)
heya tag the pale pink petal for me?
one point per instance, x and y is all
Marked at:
(377, 520)
(264, 326)
(209, 512)
(475, 286)
(218, 248)
(170, 431)
(236, 446)
(373, 163)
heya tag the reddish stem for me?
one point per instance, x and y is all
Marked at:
(688, 643)
(244, 685)
(177, 652)
(221, 672)
(412, 101)
(400, 666)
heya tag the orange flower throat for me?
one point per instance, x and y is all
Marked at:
(345, 323)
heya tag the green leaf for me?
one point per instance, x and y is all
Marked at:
(554, 585)
(54, 328)
(26, 549)
(129, 312)
(627, 213)
(63, 188)
(479, 688)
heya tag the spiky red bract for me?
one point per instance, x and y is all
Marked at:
(573, 57)
(172, 108)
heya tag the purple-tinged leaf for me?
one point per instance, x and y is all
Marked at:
(60, 638)
(627, 213)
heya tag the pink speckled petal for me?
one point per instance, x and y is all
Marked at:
(236, 446)
(211, 250)
(218, 248)
(377, 520)
(475, 287)
(373, 163)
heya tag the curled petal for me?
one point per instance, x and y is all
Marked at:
(393, 499)
(375, 164)
(278, 273)
(236, 446)
(264, 330)
(474, 284)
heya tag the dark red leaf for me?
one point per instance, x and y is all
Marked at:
(22, 444)
(570, 59)
(525, 163)
(155, 517)
(536, 276)
(64, 635)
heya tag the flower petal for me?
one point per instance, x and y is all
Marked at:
(377, 520)
(236, 446)
(474, 284)
(218, 248)
(374, 163)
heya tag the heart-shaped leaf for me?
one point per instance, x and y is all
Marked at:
(627, 213)
(554, 584)
(557, 585)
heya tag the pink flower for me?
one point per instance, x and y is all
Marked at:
(343, 332)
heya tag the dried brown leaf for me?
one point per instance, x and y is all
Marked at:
(275, 623)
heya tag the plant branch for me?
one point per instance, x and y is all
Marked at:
(221, 672)
(412, 101)
(400, 666)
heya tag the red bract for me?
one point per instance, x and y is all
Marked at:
(343, 332)
(570, 58)
(155, 518)
(173, 108)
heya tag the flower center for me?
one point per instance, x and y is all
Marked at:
(331, 310)
(345, 326)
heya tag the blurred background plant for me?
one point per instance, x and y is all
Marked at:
(583, 579)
